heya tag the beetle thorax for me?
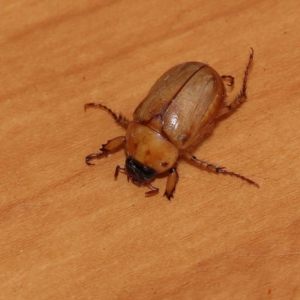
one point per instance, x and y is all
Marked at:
(150, 148)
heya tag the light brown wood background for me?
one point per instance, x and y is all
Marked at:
(69, 231)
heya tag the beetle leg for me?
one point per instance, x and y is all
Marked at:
(171, 183)
(215, 168)
(242, 95)
(154, 190)
(108, 148)
(231, 79)
(118, 168)
(118, 118)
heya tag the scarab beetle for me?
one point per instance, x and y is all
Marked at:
(180, 108)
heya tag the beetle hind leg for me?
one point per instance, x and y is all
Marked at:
(215, 168)
(118, 118)
(171, 183)
(110, 147)
(242, 95)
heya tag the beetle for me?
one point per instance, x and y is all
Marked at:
(181, 107)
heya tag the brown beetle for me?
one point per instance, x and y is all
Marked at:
(179, 109)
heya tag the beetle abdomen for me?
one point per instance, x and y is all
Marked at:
(164, 90)
(194, 108)
(182, 103)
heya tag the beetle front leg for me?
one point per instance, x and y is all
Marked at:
(152, 192)
(215, 168)
(242, 95)
(110, 147)
(171, 183)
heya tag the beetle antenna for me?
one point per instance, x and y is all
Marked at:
(123, 121)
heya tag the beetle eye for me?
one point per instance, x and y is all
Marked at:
(138, 172)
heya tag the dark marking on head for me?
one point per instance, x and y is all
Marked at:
(139, 173)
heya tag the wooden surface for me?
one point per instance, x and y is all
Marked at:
(69, 231)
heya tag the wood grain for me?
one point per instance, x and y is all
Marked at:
(69, 231)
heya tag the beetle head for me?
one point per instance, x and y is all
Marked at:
(138, 173)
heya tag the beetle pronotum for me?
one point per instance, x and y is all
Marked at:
(180, 108)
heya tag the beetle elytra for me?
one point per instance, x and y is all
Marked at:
(180, 108)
